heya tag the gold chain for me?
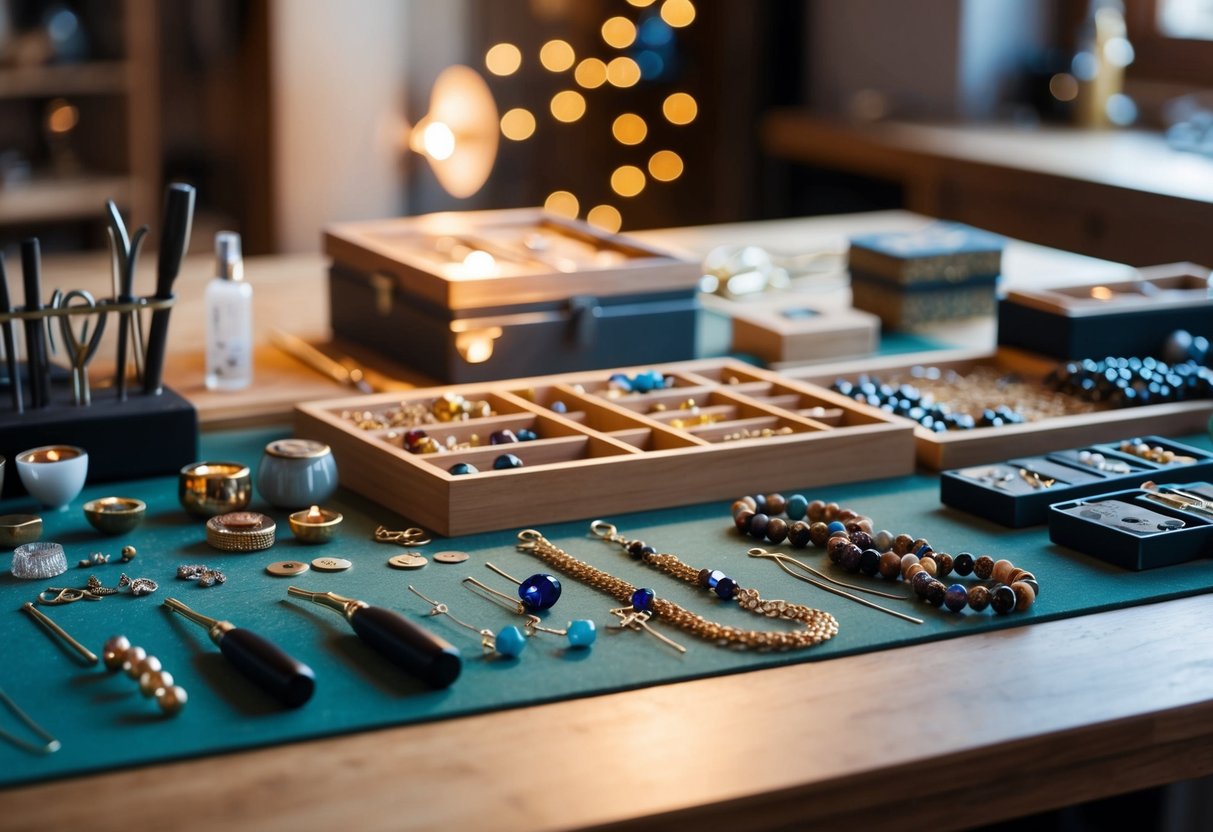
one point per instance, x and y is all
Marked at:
(819, 626)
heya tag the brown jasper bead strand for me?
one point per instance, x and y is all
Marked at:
(1012, 589)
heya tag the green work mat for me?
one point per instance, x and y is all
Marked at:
(103, 721)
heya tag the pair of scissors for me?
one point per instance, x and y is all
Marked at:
(80, 348)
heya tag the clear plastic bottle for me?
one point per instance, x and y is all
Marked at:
(229, 319)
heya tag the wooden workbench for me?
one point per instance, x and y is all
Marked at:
(945, 735)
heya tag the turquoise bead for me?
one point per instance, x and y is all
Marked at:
(797, 507)
(582, 633)
(510, 641)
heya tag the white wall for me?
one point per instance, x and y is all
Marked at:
(338, 96)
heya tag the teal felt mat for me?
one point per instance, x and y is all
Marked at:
(104, 723)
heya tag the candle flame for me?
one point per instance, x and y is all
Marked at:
(313, 514)
(52, 456)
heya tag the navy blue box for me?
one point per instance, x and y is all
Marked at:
(1129, 529)
(1015, 502)
(1124, 318)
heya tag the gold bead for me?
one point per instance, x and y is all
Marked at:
(131, 656)
(151, 664)
(152, 682)
(113, 651)
(171, 699)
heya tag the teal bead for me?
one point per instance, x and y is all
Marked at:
(582, 633)
(797, 507)
(510, 642)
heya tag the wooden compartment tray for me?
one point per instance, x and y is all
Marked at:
(722, 429)
(960, 448)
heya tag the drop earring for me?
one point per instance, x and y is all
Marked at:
(538, 592)
(508, 641)
(580, 633)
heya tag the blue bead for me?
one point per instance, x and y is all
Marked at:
(642, 383)
(463, 468)
(923, 550)
(507, 461)
(510, 641)
(621, 381)
(526, 435)
(559, 407)
(725, 588)
(956, 597)
(797, 507)
(582, 633)
(836, 528)
(642, 599)
(714, 578)
(539, 592)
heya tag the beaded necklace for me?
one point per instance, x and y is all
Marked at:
(819, 626)
(849, 541)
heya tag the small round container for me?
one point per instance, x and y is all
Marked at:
(115, 515)
(296, 473)
(43, 559)
(53, 474)
(16, 529)
(210, 488)
(315, 524)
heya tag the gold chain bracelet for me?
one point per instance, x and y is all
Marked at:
(819, 625)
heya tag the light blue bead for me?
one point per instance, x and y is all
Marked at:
(582, 633)
(797, 506)
(510, 641)
(836, 527)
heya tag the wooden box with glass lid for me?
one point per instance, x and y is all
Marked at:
(78, 90)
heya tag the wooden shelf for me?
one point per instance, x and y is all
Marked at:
(43, 200)
(93, 78)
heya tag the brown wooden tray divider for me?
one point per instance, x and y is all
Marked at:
(602, 456)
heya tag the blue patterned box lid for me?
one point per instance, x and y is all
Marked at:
(939, 239)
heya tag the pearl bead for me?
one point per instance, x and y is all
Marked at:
(150, 664)
(172, 699)
(132, 656)
(153, 681)
(113, 651)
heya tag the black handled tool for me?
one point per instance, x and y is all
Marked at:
(126, 251)
(174, 240)
(35, 329)
(289, 681)
(10, 343)
(417, 650)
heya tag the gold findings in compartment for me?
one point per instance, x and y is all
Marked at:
(449, 407)
(240, 531)
(331, 564)
(764, 433)
(287, 568)
(407, 560)
(1155, 454)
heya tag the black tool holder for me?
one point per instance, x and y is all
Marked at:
(141, 436)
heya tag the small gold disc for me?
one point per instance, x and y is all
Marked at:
(451, 557)
(408, 560)
(287, 568)
(331, 564)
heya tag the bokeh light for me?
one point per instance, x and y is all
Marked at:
(678, 13)
(619, 32)
(591, 73)
(562, 204)
(629, 128)
(503, 59)
(627, 180)
(556, 56)
(623, 72)
(680, 108)
(606, 217)
(518, 124)
(568, 105)
(665, 166)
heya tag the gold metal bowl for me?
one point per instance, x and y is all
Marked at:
(315, 524)
(115, 515)
(17, 529)
(210, 488)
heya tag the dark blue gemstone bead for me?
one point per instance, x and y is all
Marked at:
(851, 555)
(869, 562)
(463, 468)
(963, 564)
(539, 592)
(502, 437)
(725, 588)
(956, 597)
(1002, 599)
(635, 548)
(923, 550)
(621, 381)
(526, 435)
(507, 461)
(714, 577)
(758, 526)
(642, 599)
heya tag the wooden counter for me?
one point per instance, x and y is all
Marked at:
(946, 735)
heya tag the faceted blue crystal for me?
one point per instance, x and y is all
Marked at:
(582, 633)
(539, 592)
(507, 461)
(714, 578)
(797, 506)
(463, 468)
(725, 588)
(642, 599)
(510, 641)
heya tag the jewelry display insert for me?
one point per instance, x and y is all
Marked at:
(1018, 492)
(1142, 528)
(490, 456)
(975, 381)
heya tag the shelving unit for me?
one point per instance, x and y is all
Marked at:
(116, 140)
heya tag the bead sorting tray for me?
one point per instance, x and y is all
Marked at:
(1009, 494)
(721, 428)
(1081, 423)
(1130, 530)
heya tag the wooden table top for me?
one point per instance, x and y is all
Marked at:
(949, 734)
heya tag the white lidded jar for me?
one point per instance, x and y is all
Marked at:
(229, 319)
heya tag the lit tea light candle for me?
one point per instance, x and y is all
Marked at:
(53, 474)
(315, 524)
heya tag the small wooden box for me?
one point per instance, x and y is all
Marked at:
(487, 295)
(960, 448)
(600, 454)
(1129, 318)
(791, 330)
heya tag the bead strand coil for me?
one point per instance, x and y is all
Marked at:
(850, 542)
(819, 626)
